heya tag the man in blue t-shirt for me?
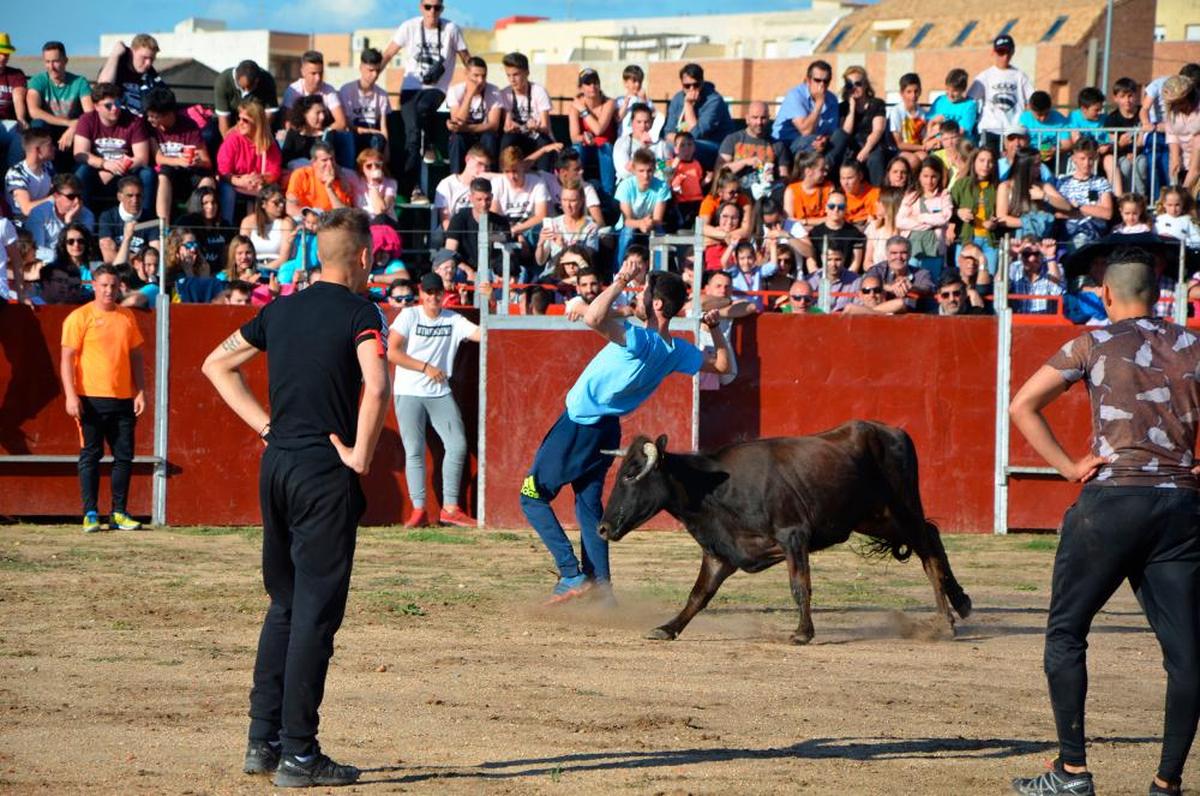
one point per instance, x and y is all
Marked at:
(617, 380)
(808, 118)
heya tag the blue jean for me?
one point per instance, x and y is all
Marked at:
(12, 150)
(706, 153)
(933, 264)
(376, 141)
(570, 454)
(626, 236)
(342, 142)
(601, 158)
(89, 178)
(226, 200)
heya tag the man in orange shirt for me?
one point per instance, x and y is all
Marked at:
(103, 380)
(317, 184)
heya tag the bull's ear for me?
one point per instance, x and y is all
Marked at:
(661, 442)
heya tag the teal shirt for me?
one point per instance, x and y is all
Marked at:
(63, 101)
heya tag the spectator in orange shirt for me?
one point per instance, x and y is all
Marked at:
(861, 196)
(805, 199)
(102, 377)
(317, 184)
(726, 189)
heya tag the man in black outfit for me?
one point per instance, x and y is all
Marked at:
(324, 344)
(1135, 519)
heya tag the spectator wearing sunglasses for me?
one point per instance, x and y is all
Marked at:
(809, 120)
(697, 109)
(870, 299)
(836, 233)
(801, 299)
(47, 221)
(430, 44)
(110, 143)
(953, 297)
(400, 293)
(1035, 272)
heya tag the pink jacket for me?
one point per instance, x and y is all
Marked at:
(237, 156)
(938, 211)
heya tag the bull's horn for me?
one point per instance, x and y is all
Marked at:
(651, 451)
(617, 452)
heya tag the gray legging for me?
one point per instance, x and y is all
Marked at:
(411, 412)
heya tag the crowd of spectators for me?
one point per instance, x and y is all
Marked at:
(881, 209)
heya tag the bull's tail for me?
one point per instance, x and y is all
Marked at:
(875, 547)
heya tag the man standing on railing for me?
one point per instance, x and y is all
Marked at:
(624, 374)
(1136, 519)
(325, 346)
(102, 377)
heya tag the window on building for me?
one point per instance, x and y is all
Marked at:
(1054, 28)
(1160, 32)
(920, 35)
(841, 34)
(1191, 33)
(964, 33)
(1007, 29)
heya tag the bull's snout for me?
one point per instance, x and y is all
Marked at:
(604, 529)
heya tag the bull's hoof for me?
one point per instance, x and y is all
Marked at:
(799, 638)
(661, 634)
(962, 606)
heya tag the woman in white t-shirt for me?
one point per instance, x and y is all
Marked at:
(430, 45)
(574, 226)
(422, 345)
(373, 190)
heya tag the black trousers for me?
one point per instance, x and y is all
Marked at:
(460, 143)
(528, 144)
(1150, 537)
(418, 109)
(103, 420)
(311, 505)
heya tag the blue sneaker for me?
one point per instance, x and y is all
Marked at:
(569, 589)
(91, 522)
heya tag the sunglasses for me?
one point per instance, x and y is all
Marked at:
(191, 244)
(69, 195)
(806, 299)
(689, 85)
(75, 241)
(833, 206)
(110, 104)
(870, 291)
(431, 7)
(373, 166)
(1029, 252)
(951, 294)
(823, 80)
(854, 83)
(403, 298)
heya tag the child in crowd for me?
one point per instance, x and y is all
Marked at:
(925, 215)
(805, 199)
(726, 234)
(1090, 195)
(643, 201)
(640, 137)
(974, 194)
(633, 78)
(906, 121)
(861, 196)
(749, 274)
(1086, 119)
(1134, 218)
(726, 189)
(1176, 218)
(951, 153)
(882, 225)
(1132, 171)
(1041, 117)
(687, 180)
(956, 106)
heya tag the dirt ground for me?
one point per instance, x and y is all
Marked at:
(125, 664)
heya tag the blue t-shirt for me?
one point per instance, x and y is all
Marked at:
(641, 202)
(798, 103)
(1076, 121)
(1038, 138)
(620, 378)
(965, 112)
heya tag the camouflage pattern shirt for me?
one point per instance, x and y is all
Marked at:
(1141, 377)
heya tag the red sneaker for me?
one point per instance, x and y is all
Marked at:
(453, 515)
(417, 519)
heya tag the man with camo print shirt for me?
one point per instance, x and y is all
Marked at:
(1136, 518)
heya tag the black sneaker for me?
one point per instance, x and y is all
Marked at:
(317, 772)
(1170, 790)
(1056, 780)
(261, 757)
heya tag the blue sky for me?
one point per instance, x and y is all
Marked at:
(79, 23)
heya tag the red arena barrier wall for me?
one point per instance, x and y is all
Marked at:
(529, 374)
(934, 377)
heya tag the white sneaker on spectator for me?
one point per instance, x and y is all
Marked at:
(429, 156)
(418, 197)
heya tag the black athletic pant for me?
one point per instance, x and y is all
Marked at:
(105, 420)
(311, 505)
(418, 109)
(1149, 536)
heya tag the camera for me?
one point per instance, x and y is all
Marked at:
(433, 72)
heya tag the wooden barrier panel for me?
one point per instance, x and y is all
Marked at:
(529, 374)
(33, 418)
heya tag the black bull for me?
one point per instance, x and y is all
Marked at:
(753, 504)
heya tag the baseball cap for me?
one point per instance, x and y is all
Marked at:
(1004, 42)
(432, 283)
(442, 255)
(588, 75)
(1016, 129)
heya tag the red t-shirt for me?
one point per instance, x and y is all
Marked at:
(184, 133)
(10, 79)
(116, 142)
(689, 176)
